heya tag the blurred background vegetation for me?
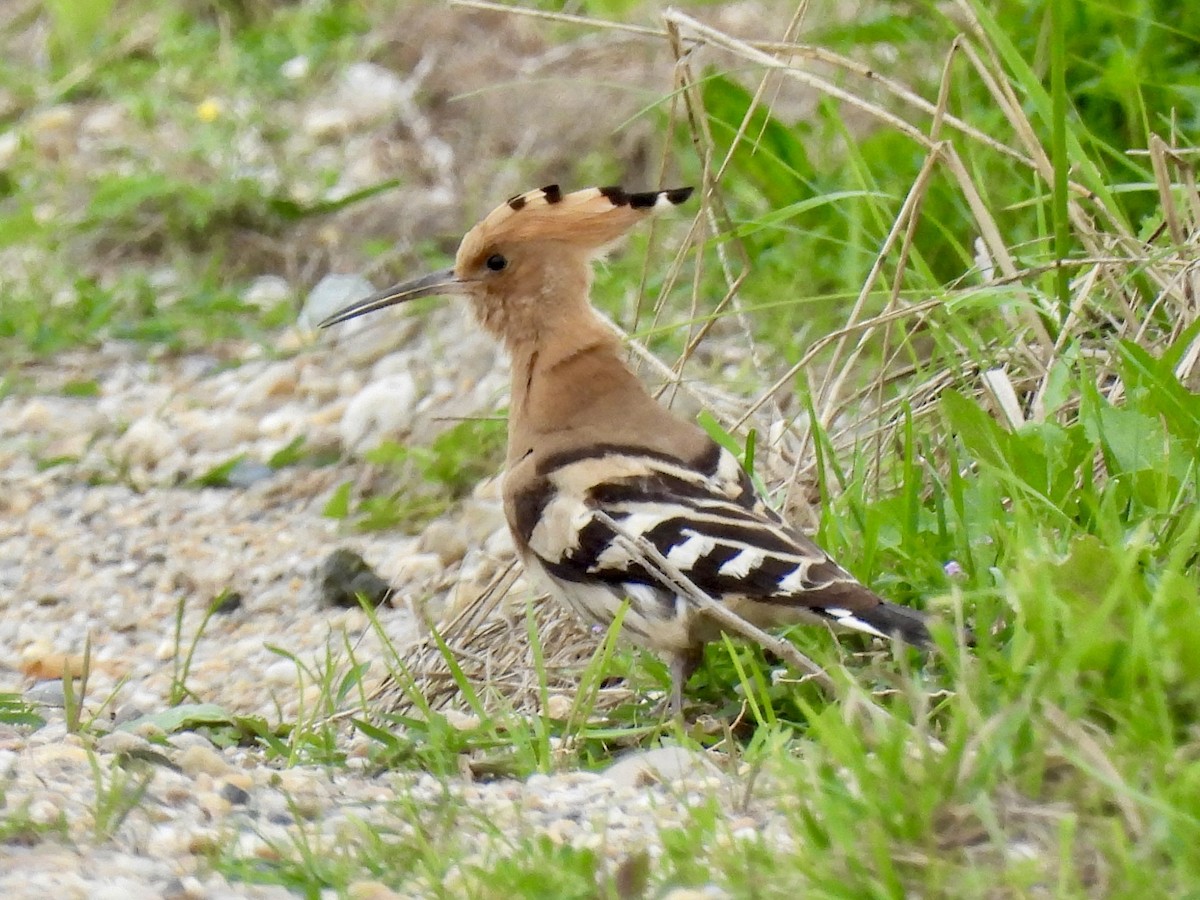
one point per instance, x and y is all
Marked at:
(970, 227)
(157, 157)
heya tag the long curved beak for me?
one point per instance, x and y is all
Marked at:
(442, 282)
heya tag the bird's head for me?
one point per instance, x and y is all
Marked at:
(526, 267)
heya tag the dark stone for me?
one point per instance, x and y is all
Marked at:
(344, 575)
(227, 602)
(235, 795)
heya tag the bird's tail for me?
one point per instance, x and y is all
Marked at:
(887, 620)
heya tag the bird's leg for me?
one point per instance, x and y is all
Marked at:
(683, 666)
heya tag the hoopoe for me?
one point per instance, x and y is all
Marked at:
(588, 447)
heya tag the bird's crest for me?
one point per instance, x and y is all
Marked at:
(590, 219)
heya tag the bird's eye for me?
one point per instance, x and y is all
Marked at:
(496, 262)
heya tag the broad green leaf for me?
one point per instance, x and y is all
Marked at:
(184, 717)
(980, 433)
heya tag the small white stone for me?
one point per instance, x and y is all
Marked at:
(559, 706)
(1021, 851)
(709, 892)
(282, 672)
(399, 361)
(414, 572)
(659, 765)
(445, 539)
(213, 805)
(330, 294)
(218, 432)
(121, 742)
(380, 410)
(322, 123)
(185, 739)
(56, 415)
(44, 811)
(295, 68)
(286, 422)
(47, 693)
(480, 520)
(277, 380)
(319, 385)
(51, 128)
(561, 831)
(147, 442)
(371, 92)
(198, 760)
(499, 543)
(461, 721)
(267, 291)
(167, 841)
(107, 120)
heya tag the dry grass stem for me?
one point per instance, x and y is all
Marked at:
(489, 633)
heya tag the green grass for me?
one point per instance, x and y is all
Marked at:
(93, 235)
(994, 409)
(421, 483)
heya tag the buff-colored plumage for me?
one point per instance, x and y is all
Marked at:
(589, 447)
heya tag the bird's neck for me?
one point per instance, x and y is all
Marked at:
(567, 378)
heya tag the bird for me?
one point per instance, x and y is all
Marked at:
(595, 463)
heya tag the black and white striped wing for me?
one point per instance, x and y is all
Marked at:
(709, 523)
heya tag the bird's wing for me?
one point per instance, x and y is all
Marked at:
(707, 520)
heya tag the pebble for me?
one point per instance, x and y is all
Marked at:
(234, 793)
(462, 721)
(121, 742)
(330, 294)
(196, 760)
(47, 693)
(281, 673)
(559, 706)
(445, 540)
(52, 129)
(185, 740)
(276, 382)
(58, 758)
(363, 93)
(267, 291)
(661, 765)
(43, 811)
(344, 577)
(104, 121)
(217, 431)
(147, 442)
(382, 409)
(295, 68)
(284, 423)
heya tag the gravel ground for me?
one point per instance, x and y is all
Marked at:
(109, 545)
(104, 538)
